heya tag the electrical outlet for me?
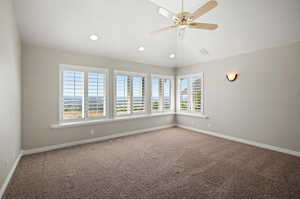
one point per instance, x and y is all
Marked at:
(92, 132)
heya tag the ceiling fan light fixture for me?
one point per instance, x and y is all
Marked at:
(183, 26)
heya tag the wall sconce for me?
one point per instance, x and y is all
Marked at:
(231, 76)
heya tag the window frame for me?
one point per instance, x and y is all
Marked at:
(131, 75)
(172, 105)
(189, 77)
(85, 70)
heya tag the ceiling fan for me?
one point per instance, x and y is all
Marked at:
(183, 20)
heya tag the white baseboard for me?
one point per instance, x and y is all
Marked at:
(9, 176)
(69, 144)
(266, 146)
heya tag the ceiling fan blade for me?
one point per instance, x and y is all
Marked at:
(167, 14)
(204, 9)
(163, 29)
(206, 26)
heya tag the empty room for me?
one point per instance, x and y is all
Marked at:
(149, 99)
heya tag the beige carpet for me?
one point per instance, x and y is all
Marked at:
(172, 163)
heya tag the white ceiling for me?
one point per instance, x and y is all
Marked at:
(123, 26)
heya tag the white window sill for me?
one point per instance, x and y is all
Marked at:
(101, 121)
(193, 115)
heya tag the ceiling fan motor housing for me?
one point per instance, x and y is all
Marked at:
(184, 18)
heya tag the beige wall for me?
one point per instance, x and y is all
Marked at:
(40, 84)
(263, 105)
(10, 94)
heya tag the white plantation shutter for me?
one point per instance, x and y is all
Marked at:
(73, 94)
(190, 93)
(167, 94)
(161, 94)
(138, 94)
(96, 94)
(184, 94)
(123, 93)
(156, 95)
(129, 93)
(83, 92)
(161, 99)
(196, 94)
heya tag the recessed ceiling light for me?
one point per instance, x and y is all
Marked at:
(94, 37)
(172, 56)
(141, 48)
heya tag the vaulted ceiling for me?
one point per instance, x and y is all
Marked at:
(123, 26)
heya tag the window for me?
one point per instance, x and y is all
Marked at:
(156, 94)
(96, 94)
(190, 93)
(122, 94)
(73, 94)
(138, 94)
(129, 93)
(184, 94)
(161, 99)
(167, 95)
(196, 95)
(83, 93)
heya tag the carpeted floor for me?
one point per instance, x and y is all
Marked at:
(168, 164)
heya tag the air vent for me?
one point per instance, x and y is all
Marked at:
(204, 52)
